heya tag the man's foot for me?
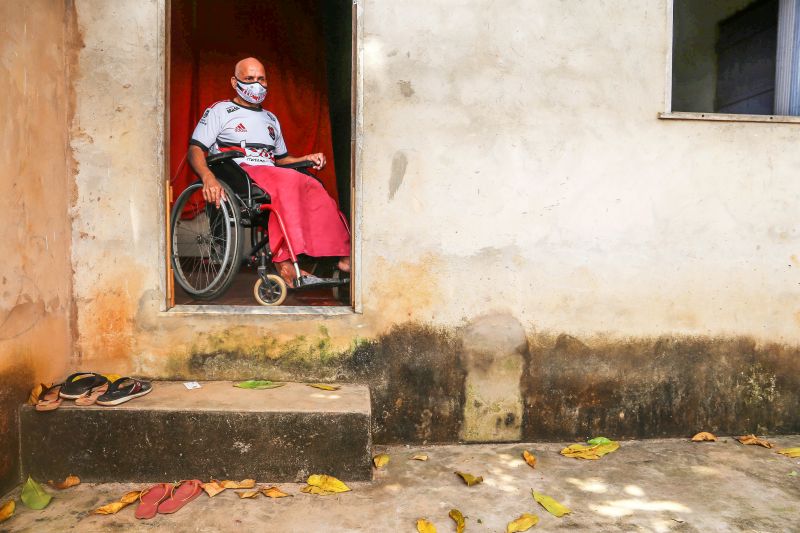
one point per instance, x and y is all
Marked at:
(344, 264)
(286, 271)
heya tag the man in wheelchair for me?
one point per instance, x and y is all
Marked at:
(311, 218)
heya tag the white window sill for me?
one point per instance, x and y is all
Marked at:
(727, 117)
(288, 310)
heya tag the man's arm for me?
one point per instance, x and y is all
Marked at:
(212, 190)
(319, 160)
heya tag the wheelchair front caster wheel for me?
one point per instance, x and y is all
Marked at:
(271, 293)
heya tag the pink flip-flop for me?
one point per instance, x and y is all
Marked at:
(181, 495)
(150, 499)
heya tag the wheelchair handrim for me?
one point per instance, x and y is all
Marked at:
(212, 274)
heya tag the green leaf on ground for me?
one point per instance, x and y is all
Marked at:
(552, 506)
(258, 384)
(469, 479)
(598, 440)
(579, 451)
(34, 496)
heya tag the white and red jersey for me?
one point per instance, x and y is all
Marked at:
(226, 125)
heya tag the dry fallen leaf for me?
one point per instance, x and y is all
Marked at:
(790, 452)
(579, 451)
(523, 523)
(274, 492)
(458, 518)
(248, 494)
(423, 526)
(753, 440)
(552, 506)
(420, 457)
(7, 510)
(381, 460)
(469, 479)
(243, 484)
(130, 497)
(115, 507)
(71, 481)
(213, 488)
(327, 483)
(529, 458)
(704, 436)
(311, 489)
(324, 386)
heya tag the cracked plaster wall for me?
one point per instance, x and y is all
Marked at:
(35, 307)
(510, 164)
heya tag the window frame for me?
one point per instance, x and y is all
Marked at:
(669, 114)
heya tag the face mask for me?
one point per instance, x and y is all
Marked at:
(252, 92)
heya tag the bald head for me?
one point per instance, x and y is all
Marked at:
(249, 66)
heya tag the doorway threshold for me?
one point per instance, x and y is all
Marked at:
(290, 310)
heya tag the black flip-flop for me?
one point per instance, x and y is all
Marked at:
(79, 383)
(123, 390)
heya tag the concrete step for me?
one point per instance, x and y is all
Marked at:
(217, 431)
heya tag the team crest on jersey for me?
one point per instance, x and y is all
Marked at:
(231, 109)
(240, 128)
(271, 132)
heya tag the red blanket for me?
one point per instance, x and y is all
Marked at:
(310, 215)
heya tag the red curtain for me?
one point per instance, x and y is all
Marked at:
(210, 36)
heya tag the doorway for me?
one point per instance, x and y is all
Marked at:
(307, 49)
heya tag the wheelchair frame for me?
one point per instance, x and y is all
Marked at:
(253, 206)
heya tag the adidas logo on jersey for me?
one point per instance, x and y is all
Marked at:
(240, 128)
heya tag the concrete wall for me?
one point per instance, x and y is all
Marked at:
(540, 254)
(35, 191)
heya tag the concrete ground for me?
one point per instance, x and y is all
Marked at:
(653, 485)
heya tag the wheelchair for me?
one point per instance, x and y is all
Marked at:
(208, 241)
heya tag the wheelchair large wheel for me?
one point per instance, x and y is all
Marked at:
(271, 293)
(207, 242)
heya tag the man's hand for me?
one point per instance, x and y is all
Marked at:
(212, 190)
(318, 160)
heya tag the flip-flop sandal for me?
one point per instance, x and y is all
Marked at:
(90, 397)
(79, 383)
(123, 390)
(181, 495)
(49, 398)
(150, 499)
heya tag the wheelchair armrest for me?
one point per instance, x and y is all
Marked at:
(297, 165)
(223, 156)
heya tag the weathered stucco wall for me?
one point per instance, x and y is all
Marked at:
(512, 172)
(35, 339)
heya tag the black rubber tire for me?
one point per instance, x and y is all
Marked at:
(233, 253)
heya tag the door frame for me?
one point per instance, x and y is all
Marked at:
(356, 212)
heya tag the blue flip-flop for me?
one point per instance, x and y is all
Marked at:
(123, 390)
